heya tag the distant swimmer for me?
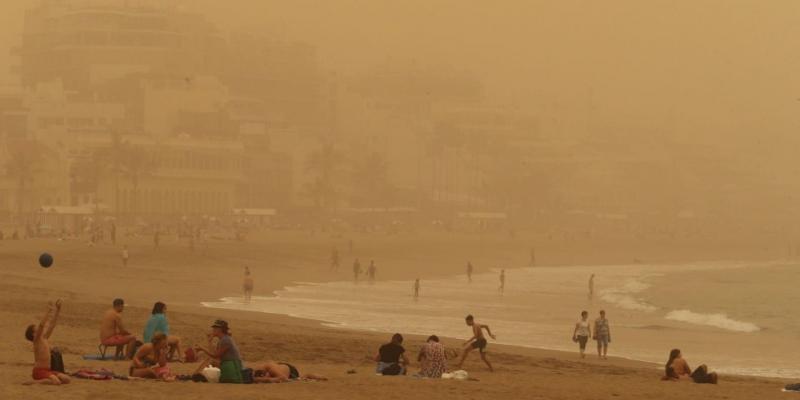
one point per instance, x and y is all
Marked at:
(477, 341)
(356, 270)
(591, 287)
(502, 281)
(469, 271)
(416, 289)
(335, 259)
(248, 284)
(582, 332)
(602, 334)
(371, 271)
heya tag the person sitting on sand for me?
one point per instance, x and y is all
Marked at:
(678, 369)
(225, 356)
(391, 357)
(477, 341)
(39, 335)
(432, 358)
(248, 285)
(273, 372)
(582, 333)
(602, 334)
(150, 360)
(158, 323)
(113, 333)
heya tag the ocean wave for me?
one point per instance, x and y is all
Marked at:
(716, 320)
(623, 297)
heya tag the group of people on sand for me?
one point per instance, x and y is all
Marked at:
(432, 357)
(150, 359)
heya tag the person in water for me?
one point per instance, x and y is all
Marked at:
(677, 369)
(247, 285)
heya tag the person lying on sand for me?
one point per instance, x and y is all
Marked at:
(158, 323)
(150, 361)
(39, 335)
(477, 341)
(432, 358)
(273, 372)
(391, 357)
(225, 356)
(678, 369)
(113, 333)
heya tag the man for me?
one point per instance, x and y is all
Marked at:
(371, 271)
(40, 335)
(502, 281)
(416, 289)
(156, 238)
(125, 255)
(113, 333)
(356, 270)
(477, 341)
(602, 333)
(226, 355)
(591, 287)
(248, 285)
(335, 260)
(469, 272)
(391, 357)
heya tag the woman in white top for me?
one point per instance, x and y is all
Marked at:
(582, 333)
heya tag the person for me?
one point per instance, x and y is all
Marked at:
(533, 257)
(40, 336)
(477, 341)
(113, 332)
(158, 323)
(356, 270)
(416, 289)
(248, 284)
(371, 271)
(469, 271)
(125, 255)
(225, 356)
(677, 368)
(591, 287)
(432, 358)
(502, 280)
(335, 260)
(391, 357)
(602, 334)
(150, 360)
(582, 332)
(156, 238)
(274, 372)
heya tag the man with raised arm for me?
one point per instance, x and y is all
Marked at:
(40, 336)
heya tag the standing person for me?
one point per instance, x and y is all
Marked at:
(533, 257)
(391, 358)
(158, 323)
(156, 238)
(125, 255)
(602, 334)
(591, 287)
(432, 358)
(371, 271)
(356, 269)
(226, 355)
(582, 333)
(248, 285)
(113, 333)
(335, 260)
(416, 289)
(477, 341)
(469, 272)
(502, 281)
(350, 246)
(40, 335)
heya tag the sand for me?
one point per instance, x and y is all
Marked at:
(88, 278)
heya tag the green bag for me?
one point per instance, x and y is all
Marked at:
(230, 371)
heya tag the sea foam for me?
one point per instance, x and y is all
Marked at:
(716, 320)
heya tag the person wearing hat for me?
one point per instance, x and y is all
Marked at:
(226, 355)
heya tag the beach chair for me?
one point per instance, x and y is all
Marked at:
(102, 348)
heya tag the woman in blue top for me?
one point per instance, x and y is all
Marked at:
(158, 323)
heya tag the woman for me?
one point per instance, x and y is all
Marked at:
(677, 369)
(158, 323)
(248, 285)
(582, 332)
(391, 357)
(432, 359)
(273, 372)
(225, 355)
(150, 360)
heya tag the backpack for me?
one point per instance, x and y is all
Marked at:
(247, 375)
(56, 361)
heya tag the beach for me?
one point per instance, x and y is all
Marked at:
(88, 278)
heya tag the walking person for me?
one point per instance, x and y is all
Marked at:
(356, 270)
(502, 281)
(582, 333)
(591, 287)
(602, 334)
(477, 341)
(416, 289)
(371, 271)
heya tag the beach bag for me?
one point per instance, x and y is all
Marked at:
(394, 369)
(247, 375)
(211, 374)
(56, 361)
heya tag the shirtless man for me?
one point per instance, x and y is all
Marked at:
(591, 287)
(273, 372)
(416, 289)
(477, 341)
(113, 333)
(39, 335)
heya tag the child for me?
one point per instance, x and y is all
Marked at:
(477, 341)
(41, 348)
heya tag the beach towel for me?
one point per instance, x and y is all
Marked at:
(99, 357)
(98, 375)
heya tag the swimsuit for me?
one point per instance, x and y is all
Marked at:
(42, 373)
(293, 372)
(116, 340)
(480, 344)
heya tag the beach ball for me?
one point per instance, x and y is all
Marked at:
(45, 260)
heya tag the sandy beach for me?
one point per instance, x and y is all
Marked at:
(88, 278)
